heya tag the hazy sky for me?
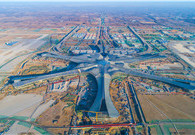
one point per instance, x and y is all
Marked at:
(87, 0)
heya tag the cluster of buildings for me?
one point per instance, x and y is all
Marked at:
(123, 51)
(79, 35)
(159, 65)
(124, 37)
(83, 51)
(91, 36)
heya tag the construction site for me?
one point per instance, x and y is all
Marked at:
(100, 69)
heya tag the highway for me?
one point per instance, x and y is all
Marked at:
(129, 103)
(137, 104)
(57, 48)
(99, 65)
(42, 77)
(131, 59)
(93, 58)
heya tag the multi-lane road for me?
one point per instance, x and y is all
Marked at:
(102, 65)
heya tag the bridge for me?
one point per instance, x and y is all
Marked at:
(102, 65)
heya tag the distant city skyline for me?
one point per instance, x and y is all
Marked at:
(97, 0)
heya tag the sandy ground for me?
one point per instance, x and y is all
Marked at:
(16, 129)
(55, 111)
(27, 112)
(180, 50)
(10, 67)
(23, 105)
(181, 104)
(42, 108)
(1, 78)
(2, 96)
(149, 111)
(58, 130)
(188, 60)
(11, 52)
(11, 105)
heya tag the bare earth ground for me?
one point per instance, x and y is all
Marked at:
(153, 131)
(149, 111)
(58, 130)
(183, 131)
(39, 90)
(54, 112)
(187, 131)
(174, 106)
(11, 105)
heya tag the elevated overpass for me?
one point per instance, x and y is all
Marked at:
(149, 49)
(103, 100)
(85, 58)
(18, 81)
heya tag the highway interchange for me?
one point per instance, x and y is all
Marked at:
(103, 65)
